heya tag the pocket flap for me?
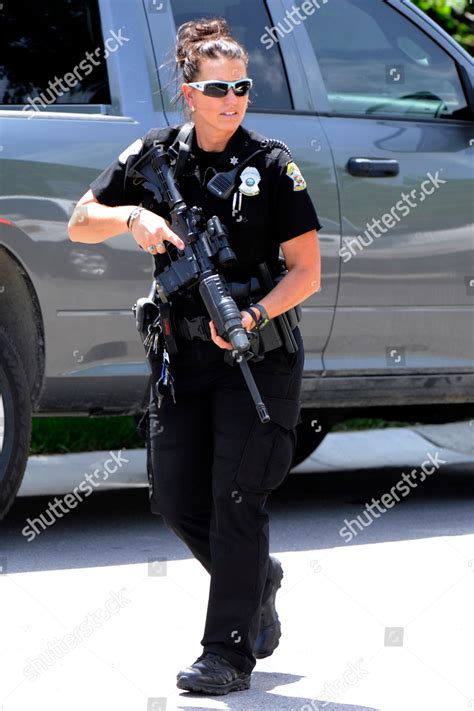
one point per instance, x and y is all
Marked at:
(283, 411)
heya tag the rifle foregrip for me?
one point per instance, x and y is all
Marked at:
(224, 311)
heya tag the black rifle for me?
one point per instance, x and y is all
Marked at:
(205, 244)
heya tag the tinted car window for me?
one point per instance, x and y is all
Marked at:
(44, 58)
(247, 20)
(375, 62)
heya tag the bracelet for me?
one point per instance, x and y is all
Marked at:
(264, 318)
(134, 213)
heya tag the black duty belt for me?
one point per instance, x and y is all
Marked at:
(190, 328)
(198, 327)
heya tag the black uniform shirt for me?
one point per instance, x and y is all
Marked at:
(280, 209)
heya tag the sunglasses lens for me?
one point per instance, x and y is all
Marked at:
(219, 89)
(216, 89)
(242, 88)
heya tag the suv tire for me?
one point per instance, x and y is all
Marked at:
(15, 422)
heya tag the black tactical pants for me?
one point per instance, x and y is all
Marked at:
(211, 465)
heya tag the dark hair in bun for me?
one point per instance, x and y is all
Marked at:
(205, 39)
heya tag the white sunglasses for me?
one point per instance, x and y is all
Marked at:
(219, 89)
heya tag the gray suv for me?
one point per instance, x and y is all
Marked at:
(377, 106)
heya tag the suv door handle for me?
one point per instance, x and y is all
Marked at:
(373, 167)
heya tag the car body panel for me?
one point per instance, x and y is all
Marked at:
(407, 290)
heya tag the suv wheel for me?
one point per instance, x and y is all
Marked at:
(15, 423)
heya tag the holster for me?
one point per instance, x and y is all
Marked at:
(281, 327)
(278, 331)
(152, 318)
(145, 311)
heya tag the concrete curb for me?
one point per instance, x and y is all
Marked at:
(58, 474)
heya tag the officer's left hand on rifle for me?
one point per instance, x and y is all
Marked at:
(247, 322)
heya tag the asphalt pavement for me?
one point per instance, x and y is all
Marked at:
(102, 607)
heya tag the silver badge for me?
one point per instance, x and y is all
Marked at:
(250, 178)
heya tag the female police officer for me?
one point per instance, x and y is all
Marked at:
(211, 461)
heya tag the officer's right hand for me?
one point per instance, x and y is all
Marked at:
(151, 230)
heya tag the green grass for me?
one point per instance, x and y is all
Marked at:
(62, 435)
(364, 423)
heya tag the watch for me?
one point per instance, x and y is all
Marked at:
(264, 315)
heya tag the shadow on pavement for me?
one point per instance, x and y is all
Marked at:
(117, 527)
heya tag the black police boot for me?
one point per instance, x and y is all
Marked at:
(270, 629)
(212, 674)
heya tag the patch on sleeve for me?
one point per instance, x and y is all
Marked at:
(132, 150)
(293, 172)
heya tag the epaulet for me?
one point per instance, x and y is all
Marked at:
(270, 143)
(152, 138)
(159, 135)
(278, 146)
